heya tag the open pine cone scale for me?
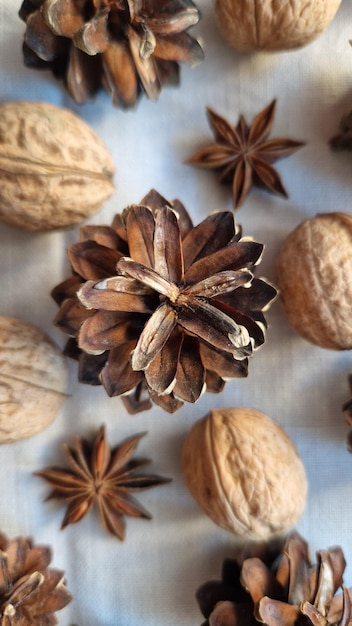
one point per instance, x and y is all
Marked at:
(163, 305)
(30, 591)
(123, 45)
(287, 590)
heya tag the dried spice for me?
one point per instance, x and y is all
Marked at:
(243, 154)
(347, 411)
(343, 139)
(158, 305)
(102, 476)
(124, 46)
(30, 591)
(284, 589)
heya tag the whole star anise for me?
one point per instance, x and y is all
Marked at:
(124, 46)
(288, 590)
(30, 591)
(243, 154)
(160, 305)
(104, 477)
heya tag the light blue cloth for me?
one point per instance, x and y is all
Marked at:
(151, 578)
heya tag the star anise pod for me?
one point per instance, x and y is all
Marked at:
(158, 304)
(285, 591)
(124, 46)
(243, 154)
(30, 591)
(343, 139)
(347, 411)
(104, 477)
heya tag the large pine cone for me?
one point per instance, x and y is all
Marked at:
(282, 589)
(124, 46)
(157, 303)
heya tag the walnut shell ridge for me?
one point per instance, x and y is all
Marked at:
(54, 170)
(244, 472)
(33, 379)
(273, 24)
(313, 274)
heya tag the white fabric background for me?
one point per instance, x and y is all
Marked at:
(151, 578)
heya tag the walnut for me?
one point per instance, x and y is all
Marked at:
(273, 24)
(244, 472)
(33, 380)
(314, 269)
(54, 170)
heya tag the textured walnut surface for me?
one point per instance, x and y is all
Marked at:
(244, 472)
(314, 269)
(54, 169)
(273, 24)
(33, 379)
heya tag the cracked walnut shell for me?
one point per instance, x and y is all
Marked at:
(313, 271)
(54, 169)
(274, 25)
(33, 379)
(244, 472)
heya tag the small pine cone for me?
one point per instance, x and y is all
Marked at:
(30, 591)
(279, 587)
(158, 305)
(124, 46)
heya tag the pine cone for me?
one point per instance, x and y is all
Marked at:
(124, 46)
(30, 592)
(284, 591)
(157, 304)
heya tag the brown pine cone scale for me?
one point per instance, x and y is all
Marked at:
(30, 591)
(124, 46)
(159, 310)
(279, 587)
